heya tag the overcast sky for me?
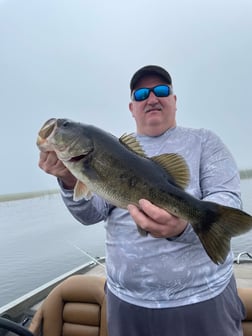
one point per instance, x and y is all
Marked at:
(75, 59)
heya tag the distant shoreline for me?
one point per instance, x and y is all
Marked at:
(244, 174)
(25, 195)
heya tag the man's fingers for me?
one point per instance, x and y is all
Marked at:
(159, 215)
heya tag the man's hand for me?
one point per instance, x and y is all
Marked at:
(156, 221)
(49, 162)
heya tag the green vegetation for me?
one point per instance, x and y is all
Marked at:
(246, 174)
(33, 194)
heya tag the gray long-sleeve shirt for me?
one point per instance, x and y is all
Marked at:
(156, 272)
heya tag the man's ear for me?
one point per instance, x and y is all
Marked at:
(131, 109)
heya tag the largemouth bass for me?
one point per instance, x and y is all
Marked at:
(118, 170)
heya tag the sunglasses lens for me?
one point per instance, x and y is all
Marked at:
(161, 91)
(141, 94)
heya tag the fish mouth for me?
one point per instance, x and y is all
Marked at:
(77, 158)
(45, 132)
(65, 151)
(47, 129)
(83, 156)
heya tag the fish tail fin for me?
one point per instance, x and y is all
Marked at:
(216, 235)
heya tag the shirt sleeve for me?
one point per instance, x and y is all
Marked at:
(86, 211)
(219, 175)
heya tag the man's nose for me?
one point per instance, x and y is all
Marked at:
(152, 98)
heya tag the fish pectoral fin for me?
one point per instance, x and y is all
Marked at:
(215, 236)
(81, 191)
(176, 167)
(129, 141)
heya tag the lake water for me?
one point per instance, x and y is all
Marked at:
(40, 240)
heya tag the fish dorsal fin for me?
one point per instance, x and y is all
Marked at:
(81, 191)
(176, 166)
(129, 141)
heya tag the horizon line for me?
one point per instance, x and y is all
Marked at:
(244, 174)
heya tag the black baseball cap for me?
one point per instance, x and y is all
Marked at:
(150, 70)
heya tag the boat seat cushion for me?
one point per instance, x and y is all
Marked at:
(246, 296)
(76, 307)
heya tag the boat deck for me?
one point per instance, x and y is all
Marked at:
(243, 274)
(98, 270)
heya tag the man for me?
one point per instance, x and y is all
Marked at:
(164, 283)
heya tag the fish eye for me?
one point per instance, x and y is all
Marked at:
(65, 123)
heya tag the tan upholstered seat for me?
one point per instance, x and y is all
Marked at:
(76, 307)
(246, 297)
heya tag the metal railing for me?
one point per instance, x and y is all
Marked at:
(237, 260)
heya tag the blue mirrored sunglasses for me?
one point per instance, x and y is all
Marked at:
(159, 91)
